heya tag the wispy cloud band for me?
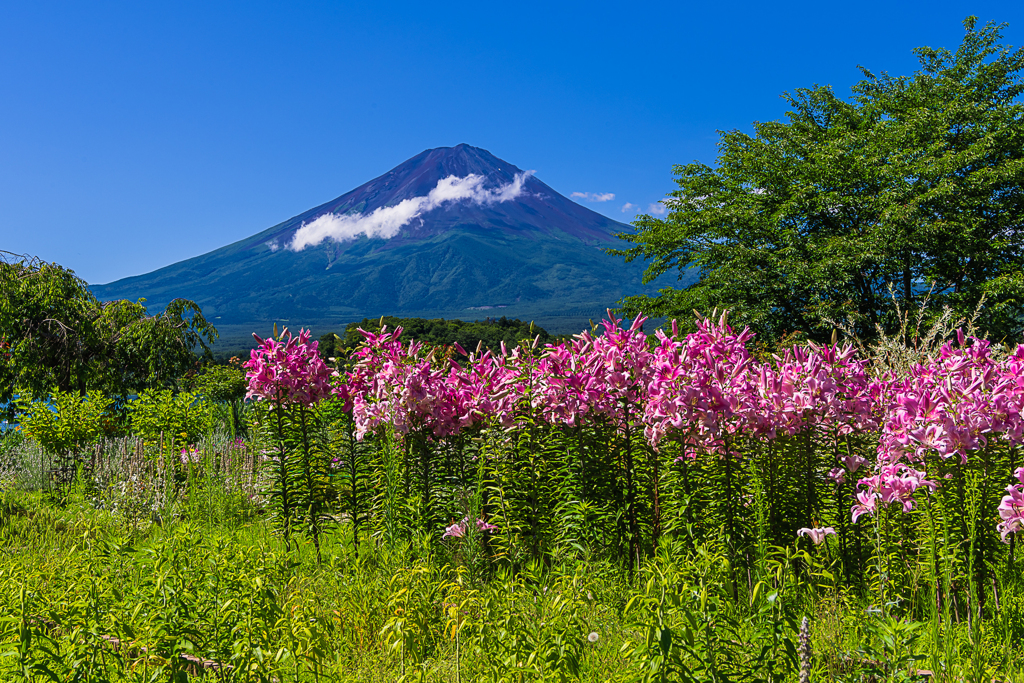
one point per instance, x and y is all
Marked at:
(386, 221)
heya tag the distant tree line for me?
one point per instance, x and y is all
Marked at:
(489, 333)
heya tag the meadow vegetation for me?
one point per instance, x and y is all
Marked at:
(617, 506)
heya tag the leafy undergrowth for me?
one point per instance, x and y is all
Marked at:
(86, 598)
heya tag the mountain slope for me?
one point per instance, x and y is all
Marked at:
(507, 245)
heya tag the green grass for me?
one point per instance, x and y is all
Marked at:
(112, 580)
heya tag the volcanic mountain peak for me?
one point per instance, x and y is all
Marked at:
(419, 175)
(451, 231)
(456, 186)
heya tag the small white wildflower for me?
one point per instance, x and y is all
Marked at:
(593, 637)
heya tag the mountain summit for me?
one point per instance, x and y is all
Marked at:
(453, 232)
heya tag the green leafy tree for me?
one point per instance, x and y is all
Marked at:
(911, 191)
(139, 350)
(46, 315)
(57, 336)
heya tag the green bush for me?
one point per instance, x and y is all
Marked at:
(66, 423)
(162, 415)
(225, 386)
(220, 383)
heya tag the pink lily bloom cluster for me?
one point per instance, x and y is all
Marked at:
(595, 378)
(893, 484)
(1011, 508)
(397, 385)
(707, 388)
(703, 390)
(957, 403)
(458, 530)
(288, 370)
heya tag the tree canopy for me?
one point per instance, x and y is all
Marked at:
(488, 333)
(55, 335)
(909, 193)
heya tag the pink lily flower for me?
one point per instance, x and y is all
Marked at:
(817, 534)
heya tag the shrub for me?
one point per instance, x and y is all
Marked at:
(66, 423)
(220, 383)
(161, 414)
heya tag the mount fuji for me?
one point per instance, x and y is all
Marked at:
(453, 232)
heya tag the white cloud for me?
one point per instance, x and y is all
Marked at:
(657, 209)
(273, 246)
(628, 207)
(386, 221)
(594, 196)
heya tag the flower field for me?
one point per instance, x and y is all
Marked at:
(618, 506)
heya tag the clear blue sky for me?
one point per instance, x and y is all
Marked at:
(137, 134)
